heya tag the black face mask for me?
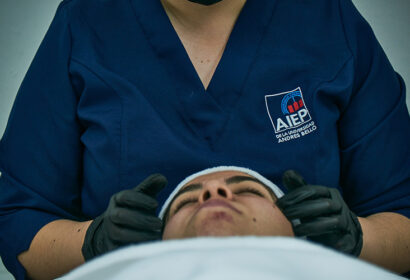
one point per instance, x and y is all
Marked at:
(205, 2)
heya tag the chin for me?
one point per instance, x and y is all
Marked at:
(216, 232)
(216, 223)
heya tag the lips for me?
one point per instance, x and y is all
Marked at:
(218, 202)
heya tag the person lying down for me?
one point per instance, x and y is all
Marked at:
(224, 201)
(223, 223)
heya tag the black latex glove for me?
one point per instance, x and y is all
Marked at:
(130, 218)
(325, 218)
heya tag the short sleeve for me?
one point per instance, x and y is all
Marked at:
(374, 128)
(40, 151)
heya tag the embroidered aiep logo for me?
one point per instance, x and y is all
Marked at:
(289, 115)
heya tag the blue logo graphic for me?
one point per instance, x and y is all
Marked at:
(287, 110)
(292, 102)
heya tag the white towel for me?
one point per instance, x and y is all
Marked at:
(224, 258)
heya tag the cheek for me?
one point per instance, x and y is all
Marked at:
(176, 226)
(171, 229)
(284, 225)
(269, 219)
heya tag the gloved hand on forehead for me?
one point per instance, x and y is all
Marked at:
(130, 218)
(325, 217)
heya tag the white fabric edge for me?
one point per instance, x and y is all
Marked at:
(151, 249)
(134, 253)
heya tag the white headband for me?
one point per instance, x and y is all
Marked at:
(278, 192)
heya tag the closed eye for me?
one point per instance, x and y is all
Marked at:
(239, 191)
(249, 190)
(184, 202)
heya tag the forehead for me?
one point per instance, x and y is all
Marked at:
(220, 175)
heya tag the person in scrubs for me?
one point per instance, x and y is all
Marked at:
(120, 90)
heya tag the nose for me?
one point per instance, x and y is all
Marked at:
(214, 189)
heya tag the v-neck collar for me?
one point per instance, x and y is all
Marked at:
(208, 109)
(240, 52)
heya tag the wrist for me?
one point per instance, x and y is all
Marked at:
(88, 248)
(358, 235)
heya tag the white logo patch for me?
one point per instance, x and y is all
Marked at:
(289, 115)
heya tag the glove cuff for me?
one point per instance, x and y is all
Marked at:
(359, 235)
(88, 245)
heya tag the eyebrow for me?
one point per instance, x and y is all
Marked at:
(231, 180)
(228, 181)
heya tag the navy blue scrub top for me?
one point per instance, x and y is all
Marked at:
(112, 97)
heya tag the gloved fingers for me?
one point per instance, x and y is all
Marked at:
(292, 180)
(346, 243)
(131, 218)
(312, 208)
(301, 194)
(331, 239)
(318, 226)
(152, 185)
(336, 195)
(123, 235)
(133, 199)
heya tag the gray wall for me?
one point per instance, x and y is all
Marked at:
(23, 24)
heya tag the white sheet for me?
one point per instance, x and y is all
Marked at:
(229, 258)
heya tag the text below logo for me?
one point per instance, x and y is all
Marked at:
(289, 115)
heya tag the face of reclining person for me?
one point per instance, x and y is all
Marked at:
(225, 203)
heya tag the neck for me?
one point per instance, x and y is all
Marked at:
(197, 19)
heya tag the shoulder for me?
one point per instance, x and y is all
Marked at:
(92, 12)
(88, 5)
